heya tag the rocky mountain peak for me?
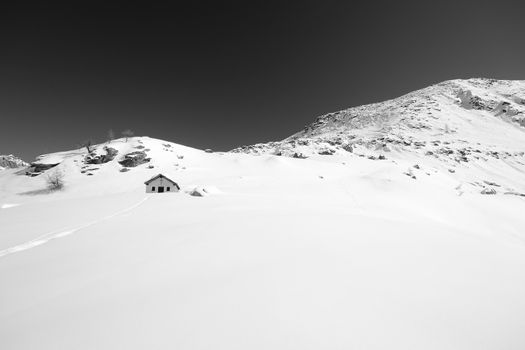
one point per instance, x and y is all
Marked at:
(11, 162)
(455, 117)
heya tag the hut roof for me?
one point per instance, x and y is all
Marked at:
(160, 176)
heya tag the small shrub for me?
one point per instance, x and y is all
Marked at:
(55, 180)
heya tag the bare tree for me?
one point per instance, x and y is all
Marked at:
(55, 180)
(111, 135)
(127, 134)
(88, 144)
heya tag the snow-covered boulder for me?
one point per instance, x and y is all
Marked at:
(200, 191)
(197, 192)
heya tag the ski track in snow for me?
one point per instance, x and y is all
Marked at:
(9, 205)
(35, 242)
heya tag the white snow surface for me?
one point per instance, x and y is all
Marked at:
(328, 252)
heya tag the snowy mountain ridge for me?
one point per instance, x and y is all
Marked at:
(10, 162)
(465, 129)
(456, 119)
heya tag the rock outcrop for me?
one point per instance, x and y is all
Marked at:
(134, 159)
(94, 158)
(488, 190)
(36, 169)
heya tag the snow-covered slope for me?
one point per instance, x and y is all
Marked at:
(327, 252)
(480, 113)
(457, 125)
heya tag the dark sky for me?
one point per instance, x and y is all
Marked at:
(223, 75)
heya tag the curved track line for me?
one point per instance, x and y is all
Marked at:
(62, 233)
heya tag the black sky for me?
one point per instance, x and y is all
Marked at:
(222, 75)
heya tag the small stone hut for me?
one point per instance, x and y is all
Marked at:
(160, 184)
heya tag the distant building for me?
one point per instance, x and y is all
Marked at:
(161, 183)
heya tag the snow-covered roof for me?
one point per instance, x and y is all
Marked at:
(160, 176)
